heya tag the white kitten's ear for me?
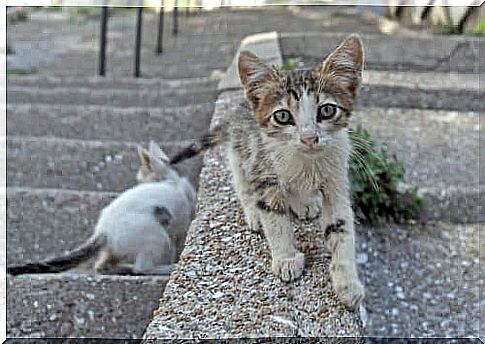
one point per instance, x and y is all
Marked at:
(344, 65)
(157, 151)
(255, 75)
(145, 158)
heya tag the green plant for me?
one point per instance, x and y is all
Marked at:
(376, 184)
(82, 11)
(9, 49)
(449, 29)
(20, 71)
(53, 8)
(290, 64)
(480, 28)
(18, 16)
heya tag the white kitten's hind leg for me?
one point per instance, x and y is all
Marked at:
(144, 265)
(104, 261)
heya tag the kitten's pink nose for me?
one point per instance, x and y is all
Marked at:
(310, 140)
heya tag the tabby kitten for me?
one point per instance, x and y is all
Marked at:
(289, 153)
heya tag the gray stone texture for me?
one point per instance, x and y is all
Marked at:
(73, 305)
(79, 165)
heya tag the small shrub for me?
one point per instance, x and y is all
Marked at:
(20, 15)
(290, 64)
(83, 11)
(377, 184)
(449, 29)
(480, 28)
(20, 71)
(9, 49)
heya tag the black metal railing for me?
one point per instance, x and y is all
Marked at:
(138, 36)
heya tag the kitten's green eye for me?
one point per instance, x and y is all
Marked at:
(326, 111)
(283, 117)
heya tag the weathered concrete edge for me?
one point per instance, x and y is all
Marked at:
(265, 46)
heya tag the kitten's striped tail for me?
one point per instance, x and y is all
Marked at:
(59, 264)
(216, 137)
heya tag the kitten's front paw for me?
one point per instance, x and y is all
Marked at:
(350, 292)
(253, 222)
(289, 268)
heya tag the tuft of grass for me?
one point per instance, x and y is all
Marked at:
(293, 63)
(479, 28)
(18, 16)
(9, 49)
(82, 11)
(21, 71)
(377, 183)
(53, 8)
(449, 29)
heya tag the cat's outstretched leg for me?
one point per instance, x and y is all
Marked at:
(287, 262)
(105, 261)
(144, 265)
(338, 223)
(243, 191)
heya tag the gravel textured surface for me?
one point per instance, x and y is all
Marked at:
(72, 305)
(423, 281)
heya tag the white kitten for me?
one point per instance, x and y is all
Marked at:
(142, 231)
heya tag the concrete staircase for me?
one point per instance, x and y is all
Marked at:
(70, 151)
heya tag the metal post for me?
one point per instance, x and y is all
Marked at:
(175, 19)
(187, 9)
(102, 41)
(139, 18)
(160, 32)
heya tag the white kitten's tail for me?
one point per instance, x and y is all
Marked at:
(59, 264)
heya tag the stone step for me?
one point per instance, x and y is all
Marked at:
(419, 98)
(421, 80)
(429, 53)
(35, 216)
(113, 96)
(99, 122)
(81, 305)
(98, 82)
(81, 165)
(122, 66)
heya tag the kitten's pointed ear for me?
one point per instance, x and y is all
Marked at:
(253, 74)
(157, 151)
(145, 158)
(345, 64)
